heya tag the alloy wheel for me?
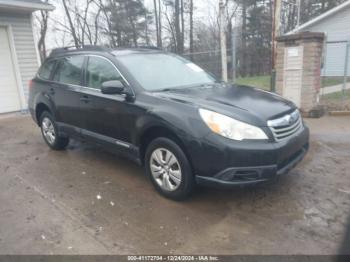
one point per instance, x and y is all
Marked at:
(48, 130)
(165, 169)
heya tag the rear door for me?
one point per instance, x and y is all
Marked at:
(66, 92)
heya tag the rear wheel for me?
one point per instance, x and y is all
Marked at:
(169, 169)
(50, 134)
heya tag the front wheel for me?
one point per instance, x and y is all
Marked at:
(169, 169)
(50, 134)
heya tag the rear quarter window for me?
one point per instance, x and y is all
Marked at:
(46, 69)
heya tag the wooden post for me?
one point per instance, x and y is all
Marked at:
(346, 67)
(276, 23)
(233, 43)
(223, 41)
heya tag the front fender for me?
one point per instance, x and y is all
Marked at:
(184, 125)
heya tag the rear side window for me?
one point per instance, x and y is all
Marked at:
(46, 69)
(100, 70)
(69, 70)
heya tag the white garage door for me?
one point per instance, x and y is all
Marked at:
(9, 96)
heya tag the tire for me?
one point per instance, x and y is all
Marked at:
(48, 126)
(173, 180)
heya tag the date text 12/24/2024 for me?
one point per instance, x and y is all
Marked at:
(173, 258)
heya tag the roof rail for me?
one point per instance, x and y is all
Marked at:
(65, 49)
(149, 47)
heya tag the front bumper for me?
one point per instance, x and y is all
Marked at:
(251, 175)
(251, 163)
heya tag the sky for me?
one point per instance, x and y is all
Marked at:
(204, 11)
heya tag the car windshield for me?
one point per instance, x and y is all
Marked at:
(159, 71)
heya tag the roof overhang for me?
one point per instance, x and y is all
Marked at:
(24, 6)
(320, 17)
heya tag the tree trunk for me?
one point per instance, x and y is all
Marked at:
(160, 23)
(146, 29)
(177, 27)
(244, 39)
(109, 24)
(96, 25)
(323, 6)
(119, 38)
(72, 28)
(229, 47)
(156, 19)
(43, 31)
(182, 25)
(172, 31)
(191, 29)
(132, 24)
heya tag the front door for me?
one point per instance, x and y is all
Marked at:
(102, 121)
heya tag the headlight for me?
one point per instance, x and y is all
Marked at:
(229, 127)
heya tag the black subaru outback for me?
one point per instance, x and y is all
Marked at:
(169, 115)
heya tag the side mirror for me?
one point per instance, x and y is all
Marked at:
(112, 87)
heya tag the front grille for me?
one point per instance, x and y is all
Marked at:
(286, 126)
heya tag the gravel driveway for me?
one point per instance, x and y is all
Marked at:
(87, 201)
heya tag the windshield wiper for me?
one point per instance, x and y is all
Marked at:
(203, 85)
(166, 89)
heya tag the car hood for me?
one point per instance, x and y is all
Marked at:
(241, 102)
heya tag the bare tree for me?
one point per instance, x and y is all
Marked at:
(178, 33)
(191, 28)
(83, 21)
(85, 29)
(108, 30)
(157, 9)
(71, 25)
(170, 28)
(160, 23)
(182, 25)
(244, 39)
(43, 24)
(96, 23)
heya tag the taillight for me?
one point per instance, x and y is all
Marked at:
(30, 84)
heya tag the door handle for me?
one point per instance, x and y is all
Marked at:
(52, 91)
(85, 99)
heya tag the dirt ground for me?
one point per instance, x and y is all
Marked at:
(87, 201)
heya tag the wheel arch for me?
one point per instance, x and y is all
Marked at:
(39, 109)
(153, 132)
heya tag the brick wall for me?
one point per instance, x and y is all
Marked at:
(312, 44)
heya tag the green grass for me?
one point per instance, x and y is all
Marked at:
(337, 95)
(332, 81)
(262, 82)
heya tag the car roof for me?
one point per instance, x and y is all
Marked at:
(136, 50)
(64, 51)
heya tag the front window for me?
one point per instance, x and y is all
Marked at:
(157, 71)
(100, 70)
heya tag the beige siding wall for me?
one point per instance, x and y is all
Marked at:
(24, 44)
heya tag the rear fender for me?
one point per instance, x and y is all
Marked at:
(44, 99)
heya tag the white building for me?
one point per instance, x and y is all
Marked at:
(19, 58)
(335, 23)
